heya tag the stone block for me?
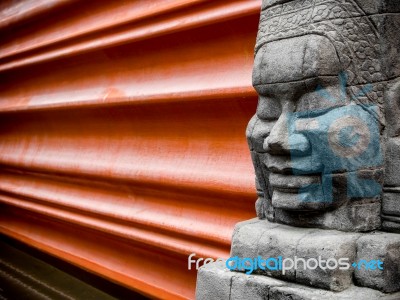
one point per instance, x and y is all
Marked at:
(356, 216)
(246, 237)
(213, 282)
(391, 226)
(392, 112)
(391, 204)
(384, 247)
(280, 241)
(392, 161)
(332, 248)
(252, 287)
(270, 240)
(296, 292)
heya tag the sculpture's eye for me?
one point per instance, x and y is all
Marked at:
(322, 93)
(268, 108)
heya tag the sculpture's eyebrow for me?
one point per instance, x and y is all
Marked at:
(275, 89)
(275, 84)
(303, 80)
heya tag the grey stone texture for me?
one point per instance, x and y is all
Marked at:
(325, 145)
(213, 282)
(216, 282)
(392, 108)
(262, 238)
(242, 288)
(357, 216)
(392, 174)
(372, 7)
(391, 204)
(386, 248)
(388, 26)
(391, 226)
(327, 245)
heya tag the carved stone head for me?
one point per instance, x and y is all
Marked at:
(319, 135)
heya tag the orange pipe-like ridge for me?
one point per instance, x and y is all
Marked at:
(122, 134)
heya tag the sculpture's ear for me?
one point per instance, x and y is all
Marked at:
(392, 109)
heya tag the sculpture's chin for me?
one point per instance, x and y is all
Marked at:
(324, 192)
(303, 201)
(308, 192)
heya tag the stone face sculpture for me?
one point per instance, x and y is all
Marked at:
(325, 144)
(319, 134)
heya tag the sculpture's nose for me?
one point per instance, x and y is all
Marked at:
(281, 142)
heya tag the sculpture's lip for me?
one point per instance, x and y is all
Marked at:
(292, 183)
(287, 190)
(282, 164)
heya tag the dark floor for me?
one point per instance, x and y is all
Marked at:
(26, 273)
